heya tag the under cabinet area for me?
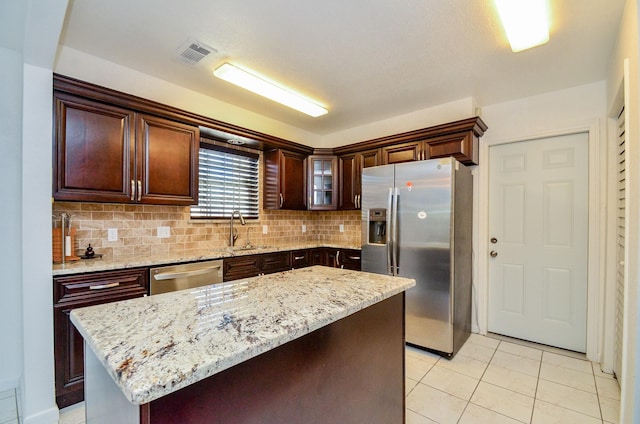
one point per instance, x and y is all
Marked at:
(105, 152)
(76, 291)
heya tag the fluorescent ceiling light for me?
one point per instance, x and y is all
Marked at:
(525, 21)
(267, 89)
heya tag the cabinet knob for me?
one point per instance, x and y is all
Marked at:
(493, 254)
(494, 240)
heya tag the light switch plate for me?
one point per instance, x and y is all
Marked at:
(304, 228)
(112, 234)
(342, 228)
(265, 229)
(164, 232)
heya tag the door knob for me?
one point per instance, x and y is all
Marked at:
(493, 253)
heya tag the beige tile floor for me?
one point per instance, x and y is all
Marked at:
(496, 381)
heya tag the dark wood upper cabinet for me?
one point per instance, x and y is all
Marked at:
(284, 182)
(350, 168)
(458, 139)
(167, 160)
(108, 153)
(93, 147)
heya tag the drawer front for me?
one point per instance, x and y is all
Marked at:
(100, 286)
(275, 262)
(300, 258)
(350, 259)
(241, 267)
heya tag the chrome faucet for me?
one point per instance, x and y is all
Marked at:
(234, 235)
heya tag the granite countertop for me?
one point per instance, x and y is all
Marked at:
(93, 265)
(155, 345)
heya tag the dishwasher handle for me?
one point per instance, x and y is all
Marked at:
(173, 275)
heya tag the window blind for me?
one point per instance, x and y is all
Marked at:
(228, 181)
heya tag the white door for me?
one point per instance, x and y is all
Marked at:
(538, 222)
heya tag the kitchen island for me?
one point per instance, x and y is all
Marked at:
(313, 345)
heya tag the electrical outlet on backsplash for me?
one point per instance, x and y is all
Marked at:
(137, 229)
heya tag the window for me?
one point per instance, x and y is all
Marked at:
(228, 182)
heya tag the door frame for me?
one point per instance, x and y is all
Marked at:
(596, 255)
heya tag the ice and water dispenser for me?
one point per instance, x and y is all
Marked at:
(377, 226)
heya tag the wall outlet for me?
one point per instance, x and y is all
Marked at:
(112, 234)
(304, 228)
(265, 229)
(164, 232)
(342, 228)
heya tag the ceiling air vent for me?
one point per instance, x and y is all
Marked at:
(193, 51)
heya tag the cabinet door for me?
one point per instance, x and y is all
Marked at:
(350, 176)
(75, 291)
(348, 170)
(330, 257)
(317, 256)
(405, 152)
(284, 183)
(93, 145)
(323, 182)
(167, 161)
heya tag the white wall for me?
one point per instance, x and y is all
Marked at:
(447, 112)
(26, 317)
(627, 53)
(10, 248)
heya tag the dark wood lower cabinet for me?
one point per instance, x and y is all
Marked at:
(80, 290)
(76, 291)
(350, 371)
(336, 258)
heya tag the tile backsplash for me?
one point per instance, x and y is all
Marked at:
(137, 227)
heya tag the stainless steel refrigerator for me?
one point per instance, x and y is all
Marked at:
(416, 223)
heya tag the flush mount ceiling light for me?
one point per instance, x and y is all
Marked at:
(525, 21)
(267, 89)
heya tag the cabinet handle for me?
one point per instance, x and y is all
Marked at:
(359, 205)
(338, 258)
(298, 258)
(133, 190)
(104, 286)
(139, 190)
(281, 200)
(354, 258)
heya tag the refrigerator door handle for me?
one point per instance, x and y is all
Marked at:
(390, 231)
(396, 267)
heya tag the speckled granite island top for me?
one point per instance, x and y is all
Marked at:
(156, 345)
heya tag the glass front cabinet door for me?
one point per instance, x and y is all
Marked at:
(323, 182)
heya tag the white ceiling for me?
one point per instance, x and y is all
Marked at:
(364, 60)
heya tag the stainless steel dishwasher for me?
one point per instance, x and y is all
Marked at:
(184, 276)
